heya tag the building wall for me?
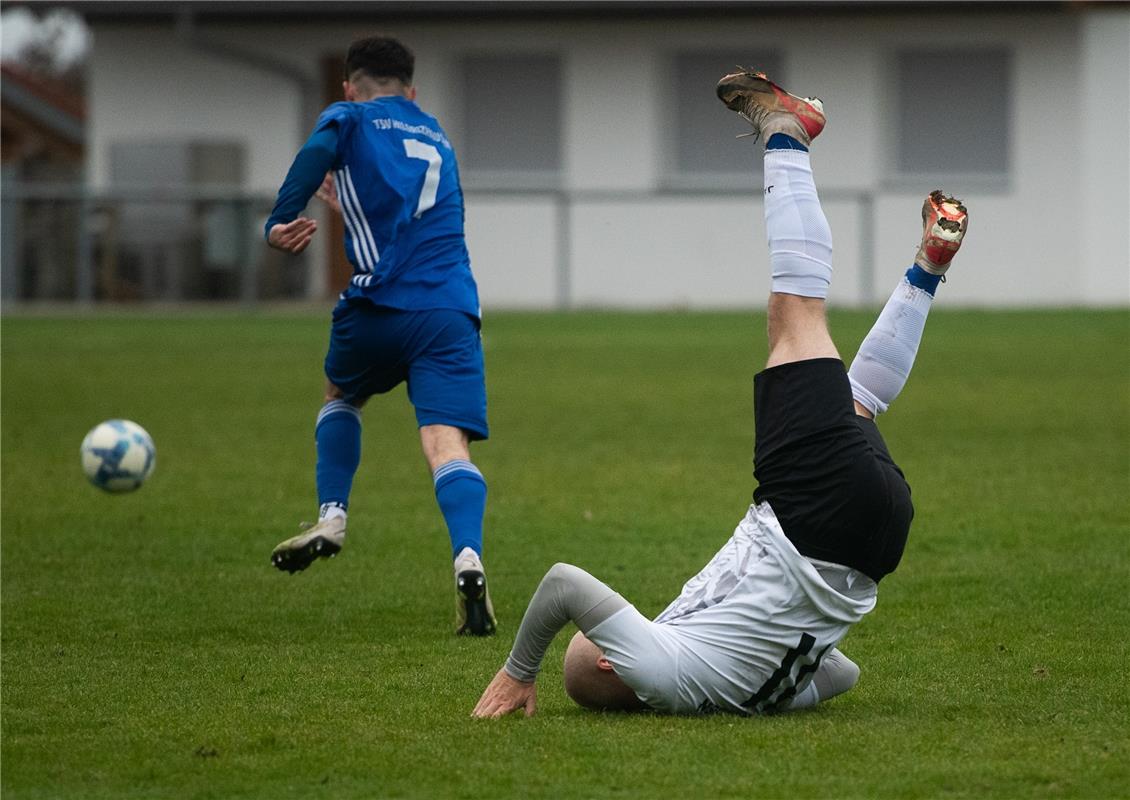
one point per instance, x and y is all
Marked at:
(1103, 121)
(614, 232)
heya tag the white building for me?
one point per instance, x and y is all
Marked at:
(600, 170)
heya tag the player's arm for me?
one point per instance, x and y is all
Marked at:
(285, 229)
(566, 594)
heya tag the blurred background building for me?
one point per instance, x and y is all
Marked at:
(598, 166)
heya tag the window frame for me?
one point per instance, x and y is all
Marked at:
(899, 179)
(492, 178)
(744, 176)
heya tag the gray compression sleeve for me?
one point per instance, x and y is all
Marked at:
(565, 594)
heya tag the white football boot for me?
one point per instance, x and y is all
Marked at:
(323, 540)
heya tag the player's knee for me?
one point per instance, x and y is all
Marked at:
(837, 674)
(333, 392)
(443, 444)
(848, 675)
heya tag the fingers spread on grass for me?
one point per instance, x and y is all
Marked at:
(504, 695)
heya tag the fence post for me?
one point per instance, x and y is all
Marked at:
(564, 251)
(84, 260)
(867, 248)
(11, 239)
(249, 266)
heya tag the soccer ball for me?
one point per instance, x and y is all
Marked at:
(118, 455)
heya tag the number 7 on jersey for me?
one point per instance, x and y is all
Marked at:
(414, 148)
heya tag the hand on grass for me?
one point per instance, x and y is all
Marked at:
(293, 237)
(506, 694)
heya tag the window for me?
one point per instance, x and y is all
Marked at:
(703, 150)
(511, 131)
(953, 112)
(177, 162)
(178, 234)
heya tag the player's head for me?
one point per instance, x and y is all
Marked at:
(591, 682)
(378, 66)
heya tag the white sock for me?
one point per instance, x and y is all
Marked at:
(800, 241)
(330, 510)
(881, 366)
(467, 559)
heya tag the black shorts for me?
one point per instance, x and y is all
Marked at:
(825, 470)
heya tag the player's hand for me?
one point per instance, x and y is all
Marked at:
(327, 193)
(293, 237)
(506, 694)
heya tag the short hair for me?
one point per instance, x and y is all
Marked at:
(380, 57)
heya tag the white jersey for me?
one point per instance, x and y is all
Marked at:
(746, 633)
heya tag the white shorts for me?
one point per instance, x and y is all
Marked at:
(745, 634)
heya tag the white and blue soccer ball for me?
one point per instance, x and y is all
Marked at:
(118, 455)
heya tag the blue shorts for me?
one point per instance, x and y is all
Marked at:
(438, 352)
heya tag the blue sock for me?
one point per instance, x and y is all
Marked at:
(916, 276)
(781, 141)
(337, 436)
(462, 496)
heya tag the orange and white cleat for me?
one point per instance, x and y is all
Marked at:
(944, 222)
(769, 108)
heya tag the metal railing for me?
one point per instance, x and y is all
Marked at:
(65, 243)
(566, 200)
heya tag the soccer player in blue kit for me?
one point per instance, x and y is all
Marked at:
(411, 310)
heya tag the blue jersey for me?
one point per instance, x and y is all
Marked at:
(401, 202)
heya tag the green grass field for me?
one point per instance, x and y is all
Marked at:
(150, 651)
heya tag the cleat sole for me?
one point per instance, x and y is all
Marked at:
(471, 587)
(298, 559)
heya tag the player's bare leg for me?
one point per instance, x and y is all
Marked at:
(797, 329)
(444, 443)
(461, 494)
